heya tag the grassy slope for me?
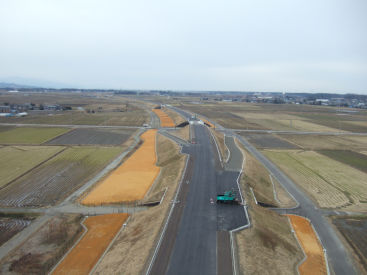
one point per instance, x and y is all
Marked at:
(28, 135)
(15, 161)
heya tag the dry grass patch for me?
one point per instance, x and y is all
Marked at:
(330, 183)
(132, 249)
(166, 121)
(131, 180)
(315, 261)
(84, 256)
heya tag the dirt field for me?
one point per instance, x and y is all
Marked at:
(330, 183)
(17, 160)
(354, 231)
(93, 137)
(315, 261)
(101, 230)
(354, 159)
(44, 248)
(131, 180)
(27, 135)
(263, 141)
(58, 177)
(132, 249)
(166, 121)
(11, 226)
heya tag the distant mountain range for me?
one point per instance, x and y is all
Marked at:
(6, 85)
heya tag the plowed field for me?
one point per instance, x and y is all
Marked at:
(101, 230)
(9, 227)
(315, 262)
(131, 180)
(166, 121)
(93, 137)
(55, 179)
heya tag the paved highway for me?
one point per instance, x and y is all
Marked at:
(196, 240)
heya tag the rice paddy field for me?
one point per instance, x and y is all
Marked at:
(269, 141)
(132, 179)
(331, 183)
(58, 177)
(15, 161)
(83, 257)
(93, 137)
(30, 135)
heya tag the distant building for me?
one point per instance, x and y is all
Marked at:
(4, 109)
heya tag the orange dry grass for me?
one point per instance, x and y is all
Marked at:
(166, 121)
(209, 123)
(315, 262)
(101, 231)
(131, 180)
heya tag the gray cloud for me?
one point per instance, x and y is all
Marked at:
(282, 45)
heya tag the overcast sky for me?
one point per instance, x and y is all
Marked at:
(257, 45)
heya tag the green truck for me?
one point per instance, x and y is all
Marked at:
(229, 197)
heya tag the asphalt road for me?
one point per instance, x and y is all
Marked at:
(196, 240)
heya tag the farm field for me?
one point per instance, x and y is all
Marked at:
(324, 142)
(101, 230)
(315, 261)
(354, 159)
(354, 231)
(43, 249)
(93, 137)
(29, 135)
(329, 182)
(166, 121)
(11, 226)
(131, 180)
(58, 177)
(269, 141)
(17, 160)
(241, 115)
